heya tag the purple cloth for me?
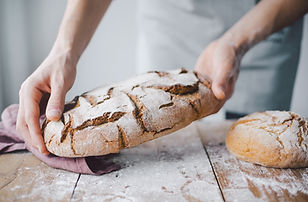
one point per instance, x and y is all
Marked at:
(10, 141)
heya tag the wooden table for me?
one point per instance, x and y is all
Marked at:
(190, 165)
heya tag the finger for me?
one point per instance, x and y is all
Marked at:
(21, 126)
(219, 85)
(19, 120)
(218, 91)
(56, 103)
(36, 136)
(26, 135)
(32, 113)
(223, 73)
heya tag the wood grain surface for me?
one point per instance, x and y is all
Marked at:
(243, 181)
(192, 164)
(171, 168)
(25, 178)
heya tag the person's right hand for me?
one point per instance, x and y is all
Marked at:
(52, 79)
(220, 62)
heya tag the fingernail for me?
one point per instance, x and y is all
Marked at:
(54, 113)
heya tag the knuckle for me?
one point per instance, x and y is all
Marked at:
(22, 88)
(59, 83)
(57, 87)
(25, 86)
(20, 92)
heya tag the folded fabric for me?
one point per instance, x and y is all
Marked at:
(10, 141)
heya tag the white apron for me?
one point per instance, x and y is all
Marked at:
(173, 33)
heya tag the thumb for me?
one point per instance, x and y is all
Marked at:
(220, 82)
(55, 104)
(219, 90)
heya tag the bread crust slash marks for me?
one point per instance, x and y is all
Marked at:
(72, 144)
(303, 129)
(135, 86)
(164, 129)
(51, 138)
(137, 112)
(183, 71)
(178, 89)
(67, 128)
(182, 90)
(109, 93)
(270, 128)
(72, 104)
(90, 99)
(160, 73)
(166, 105)
(93, 100)
(45, 123)
(239, 122)
(122, 139)
(169, 104)
(105, 118)
(195, 106)
(205, 81)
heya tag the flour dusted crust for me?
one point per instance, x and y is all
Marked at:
(108, 119)
(272, 138)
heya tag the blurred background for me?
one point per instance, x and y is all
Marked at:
(29, 28)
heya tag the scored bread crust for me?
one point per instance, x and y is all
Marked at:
(108, 119)
(272, 138)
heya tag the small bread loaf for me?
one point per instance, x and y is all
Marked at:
(272, 138)
(108, 119)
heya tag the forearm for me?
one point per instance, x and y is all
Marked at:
(79, 23)
(264, 19)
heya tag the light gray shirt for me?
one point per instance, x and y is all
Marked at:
(173, 33)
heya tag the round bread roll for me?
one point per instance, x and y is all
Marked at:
(272, 138)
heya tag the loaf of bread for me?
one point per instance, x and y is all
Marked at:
(108, 119)
(272, 138)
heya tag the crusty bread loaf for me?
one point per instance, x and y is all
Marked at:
(271, 138)
(108, 119)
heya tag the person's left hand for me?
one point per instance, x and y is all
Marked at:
(220, 63)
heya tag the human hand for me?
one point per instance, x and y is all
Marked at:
(220, 62)
(44, 89)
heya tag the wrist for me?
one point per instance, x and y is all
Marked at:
(237, 41)
(63, 50)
